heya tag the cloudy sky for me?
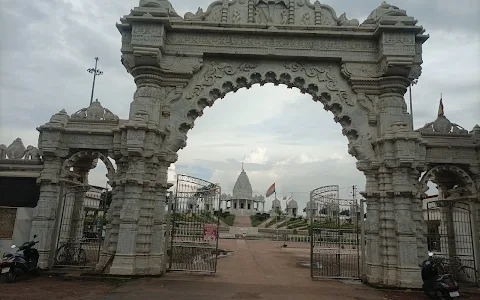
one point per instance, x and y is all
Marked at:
(283, 136)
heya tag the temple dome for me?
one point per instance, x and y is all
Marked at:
(276, 203)
(292, 204)
(242, 188)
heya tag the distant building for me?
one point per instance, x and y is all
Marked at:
(242, 202)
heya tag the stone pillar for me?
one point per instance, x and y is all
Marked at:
(395, 232)
(43, 223)
(78, 215)
(159, 226)
(142, 180)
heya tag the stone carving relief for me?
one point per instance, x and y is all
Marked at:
(93, 155)
(17, 151)
(360, 70)
(95, 112)
(443, 125)
(387, 14)
(271, 12)
(181, 65)
(322, 81)
(162, 4)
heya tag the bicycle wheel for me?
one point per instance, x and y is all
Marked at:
(468, 275)
(62, 256)
(81, 257)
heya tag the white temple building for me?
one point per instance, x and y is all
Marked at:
(242, 202)
(292, 208)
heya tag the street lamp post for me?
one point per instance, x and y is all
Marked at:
(412, 83)
(95, 72)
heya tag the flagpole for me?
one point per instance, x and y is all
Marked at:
(276, 214)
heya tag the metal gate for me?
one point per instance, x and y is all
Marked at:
(334, 234)
(81, 229)
(450, 236)
(194, 222)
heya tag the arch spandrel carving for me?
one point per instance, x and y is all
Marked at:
(323, 81)
(79, 155)
(460, 177)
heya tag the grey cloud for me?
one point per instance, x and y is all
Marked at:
(48, 45)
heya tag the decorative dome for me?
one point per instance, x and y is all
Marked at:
(242, 188)
(310, 206)
(276, 203)
(292, 204)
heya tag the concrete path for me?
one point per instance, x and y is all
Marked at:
(258, 270)
(242, 221)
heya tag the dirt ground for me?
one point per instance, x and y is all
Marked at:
(50, 288)
(257, 270)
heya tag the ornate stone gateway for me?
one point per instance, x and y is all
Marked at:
(359, 72)
(334, 235)
(194, 226)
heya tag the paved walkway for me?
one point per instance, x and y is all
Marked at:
(242, 221)
(258, 270)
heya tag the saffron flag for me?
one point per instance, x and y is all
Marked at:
(440, 107)
(270, 190)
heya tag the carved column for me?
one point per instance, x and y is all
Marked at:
(44, 215)
(43, 223)
(371, 194)
(401, 154)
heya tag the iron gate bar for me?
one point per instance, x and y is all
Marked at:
(334, 243)
(189, 251)
(79, 242)
(450, 236)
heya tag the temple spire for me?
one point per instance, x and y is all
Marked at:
(440, 107)
(243, 170)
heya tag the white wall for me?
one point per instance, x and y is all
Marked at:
(21, 231)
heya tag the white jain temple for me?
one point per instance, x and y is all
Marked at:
(242, 202)
(359, 71)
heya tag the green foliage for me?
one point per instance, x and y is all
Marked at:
(332, 225)
(274, 221)
(258, 219)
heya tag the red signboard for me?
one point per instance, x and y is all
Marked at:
(209, 232)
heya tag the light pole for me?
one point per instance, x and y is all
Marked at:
(95, 72)
(412, 83)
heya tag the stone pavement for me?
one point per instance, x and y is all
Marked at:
(242, 221)
(258, 270)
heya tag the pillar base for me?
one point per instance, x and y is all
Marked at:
(407, 278)
(137, 265)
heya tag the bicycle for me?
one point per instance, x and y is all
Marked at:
(463, 274)
(71, 254)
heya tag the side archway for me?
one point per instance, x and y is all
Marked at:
(459, 175)
(70, 162)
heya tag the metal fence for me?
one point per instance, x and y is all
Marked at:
(334, 235)
(450, 236)
(194, 223)
(81, 229)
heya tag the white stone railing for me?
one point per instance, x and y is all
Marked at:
(17, 151)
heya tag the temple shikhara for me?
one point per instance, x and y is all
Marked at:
(242, 202)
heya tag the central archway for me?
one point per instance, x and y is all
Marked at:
(323, 81)
(359, 72)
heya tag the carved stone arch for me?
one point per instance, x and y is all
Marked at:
(321, 80)
(70, 162)
(461, 174)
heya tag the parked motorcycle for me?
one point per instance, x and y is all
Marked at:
(17, 264)
(435, 284)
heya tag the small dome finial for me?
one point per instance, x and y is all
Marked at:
(242, 168)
